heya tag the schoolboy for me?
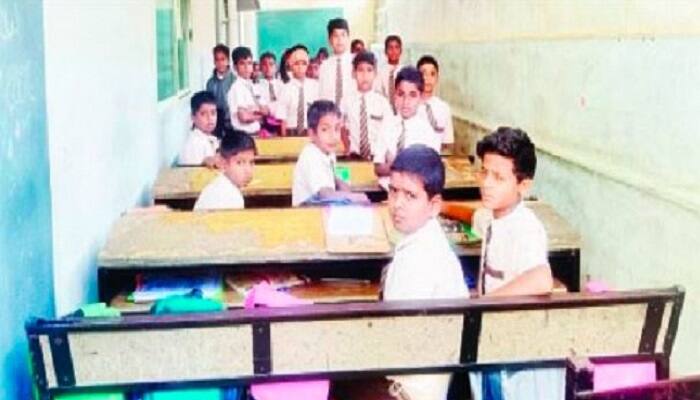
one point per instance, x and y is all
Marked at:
(221, 80)
(201, 144)
(406, 127)
(237, 153)
(364, 110)
(297, 94)
(270, 88)
(314, 174)
(386, 76)
(435, 110)
(356, 46)
(335, 73)
(246, 105)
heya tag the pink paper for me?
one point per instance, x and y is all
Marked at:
(616, 376)
(597, 287)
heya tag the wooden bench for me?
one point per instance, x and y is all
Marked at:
(354, 340)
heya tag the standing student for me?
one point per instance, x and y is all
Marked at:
(357, 46)
(221, 80)
(270, 89)
(314, 173)
(237, 152)
(247, 107)
(435, 110)
(284, 66)
(313, 71)
(201, 145)
(335, 73)
(297, 95)
(364, 110)
(387, 72)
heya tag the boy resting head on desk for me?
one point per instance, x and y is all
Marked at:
(237, 153)
(201, 144)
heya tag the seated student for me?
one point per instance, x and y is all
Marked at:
(201, 144)
(270, 89)
(513, 254)
(364, 110)
(435, 110)
(297, 94)
(314, 173)
(246, 105)
(386, 76)
(220, 81)
(424, 266)
(335, 73)
(405, 128)
(237, 154)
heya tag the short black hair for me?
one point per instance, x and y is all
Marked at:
(392, 38)
(428, 59)
(234, 142)
(201, 98)
(355, 42)
(240, 53)
(298, 46)
(221, 48)
(337, 23)
(512, 143)
(364, 57)
(321, 51)
(425, 163)
(410, 74)
(318, 109)
(267, 54)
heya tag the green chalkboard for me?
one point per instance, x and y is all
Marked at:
(279, 30)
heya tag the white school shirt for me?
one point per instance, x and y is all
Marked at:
(221, 193)
(197, 147)
(327, 73)
(425, 267)
(290, 100)
(313, 171)
(418, 131)
(263, 88)
(378, 109)
(382, 82)
(244, 94)
(518, 243)
(443, 118)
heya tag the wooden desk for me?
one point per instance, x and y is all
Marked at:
(179, 188)
(290, 238)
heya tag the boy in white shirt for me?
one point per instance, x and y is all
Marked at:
(513, 255)
(246, 106)
(237, 154)
(201, 144)
(405, 128)
(365, 110)
(270, 89)
(386, 77)
(335, 73)
(314, 174)
(435, 110)
(297, 95)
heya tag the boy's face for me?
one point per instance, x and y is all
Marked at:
(326, 136)
(358, 47)
(499, 187)
(239, 168)
(409, 205)
(364, 74)
(221, 62)
(430, 77)
(406, 99)
(204, 119)
(268, 67)
(393, 52)
(313, 70)
(299, 63)
(244, 68)
(338, 40)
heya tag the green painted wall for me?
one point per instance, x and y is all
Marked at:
(279, 30)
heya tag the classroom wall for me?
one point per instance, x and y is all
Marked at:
(25, 200)
(607, 91)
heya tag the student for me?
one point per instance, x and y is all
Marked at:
(246, 105)
(357, 46)
(284, 66)
(270, 89)
(435, 110)
(513, 254)
(364, 110)
(335, 73)
(313, 71)
(237, 154)
(201, 144)
(297, 94)
(314, 173)
(221, 80)
(406, 127)
(387, 72)
(322, 54)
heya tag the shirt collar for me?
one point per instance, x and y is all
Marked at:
(424, 234)
(508, 218)
(206, 136)
(328, 157)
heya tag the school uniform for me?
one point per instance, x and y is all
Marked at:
(512, 245)
(219, 86)
(221, 193)
(313, 171)
(438, 114)
(197, 147)
(365, 114)
(244, 94)
(386, 77)
(297, 96)
(424, 267)
(398, 133)
(335, 78)
(271, 94)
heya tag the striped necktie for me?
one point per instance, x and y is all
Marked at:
(402, 136)
(338, 81)
(365, 151)
(300, 109)
(272, 91)
(431, 117)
